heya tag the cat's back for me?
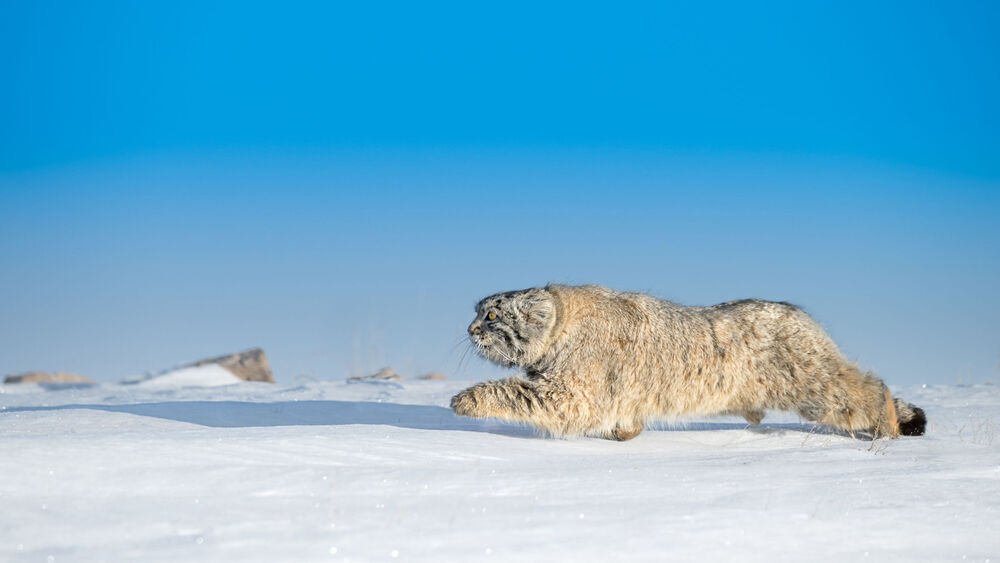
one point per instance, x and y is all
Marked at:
(760, 317)
(597, 313)
(601, 299)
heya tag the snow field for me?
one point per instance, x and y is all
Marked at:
(383, 471)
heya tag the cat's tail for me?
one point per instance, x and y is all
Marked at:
(869, 407)
(911, 418)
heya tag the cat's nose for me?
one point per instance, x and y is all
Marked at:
(475, 328)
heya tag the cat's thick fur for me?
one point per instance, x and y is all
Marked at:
(600, 362)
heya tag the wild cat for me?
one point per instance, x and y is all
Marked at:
(602, 363)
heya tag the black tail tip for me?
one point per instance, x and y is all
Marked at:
(916, 425)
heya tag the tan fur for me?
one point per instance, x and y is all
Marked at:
(892, 423)
(601, 362)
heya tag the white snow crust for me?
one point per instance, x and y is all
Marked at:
(208, 375)
(383, 471)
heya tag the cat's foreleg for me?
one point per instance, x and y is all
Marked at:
(543, 405)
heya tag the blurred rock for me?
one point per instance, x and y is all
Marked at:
(434, 376)
(384, 374)
(46, 377)
(251, 365)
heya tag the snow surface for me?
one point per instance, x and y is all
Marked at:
(208, 375)
(334, 471)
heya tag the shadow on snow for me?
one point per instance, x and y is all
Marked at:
(237, 414)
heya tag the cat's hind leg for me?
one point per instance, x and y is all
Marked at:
(625, 432)
(753, 416)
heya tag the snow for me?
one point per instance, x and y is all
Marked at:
(209, 375)
(372, 471)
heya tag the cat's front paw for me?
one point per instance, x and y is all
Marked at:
(467, 404)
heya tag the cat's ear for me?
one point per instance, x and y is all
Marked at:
(537, 307)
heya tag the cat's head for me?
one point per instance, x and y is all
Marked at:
(512, 328)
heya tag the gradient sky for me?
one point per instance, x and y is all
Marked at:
(341, 184)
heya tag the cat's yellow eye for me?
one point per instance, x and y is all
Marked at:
(491, 316)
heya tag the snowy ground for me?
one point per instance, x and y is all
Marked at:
(382, 471)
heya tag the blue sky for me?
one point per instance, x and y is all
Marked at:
(340, 184)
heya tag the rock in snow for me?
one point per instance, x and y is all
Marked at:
(251, 365)
(433, 377)
(47, 377)
(384, 374)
